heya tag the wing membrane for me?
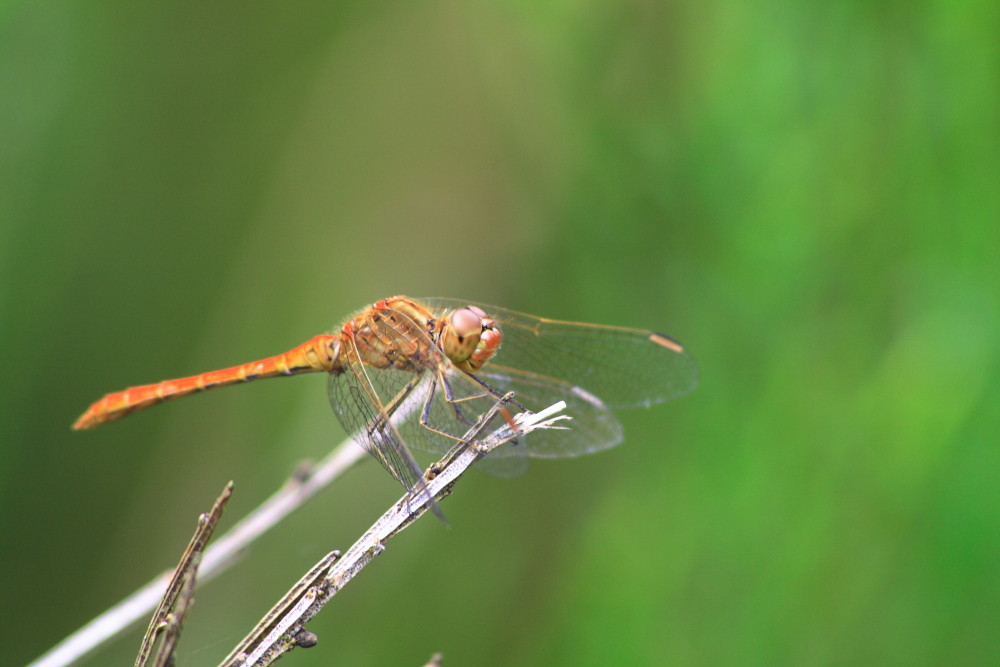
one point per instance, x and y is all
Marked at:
(398, 391)
(623, 367)
(593, 427)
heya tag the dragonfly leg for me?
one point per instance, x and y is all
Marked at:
(450, 399)
(471, 437)
(394, 404)
(496, 394)
(505, 399)
(476, 426)
(425, 412)
(487, 391)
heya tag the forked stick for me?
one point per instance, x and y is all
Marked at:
(283, 627)
(301, 487)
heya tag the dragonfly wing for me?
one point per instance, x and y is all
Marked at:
(399, 392)
(364, 416)
(593, 427)
(624, 367)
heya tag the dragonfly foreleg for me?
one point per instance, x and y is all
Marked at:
(507, 398)
(455, 403)
(471, 437)
(381, 420)
(487, 391)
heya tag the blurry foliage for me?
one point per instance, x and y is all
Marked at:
(805, 194)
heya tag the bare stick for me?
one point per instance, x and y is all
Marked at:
(174, 622)
(178, 594)
(283, 628)
(277, 621)
(220, 555)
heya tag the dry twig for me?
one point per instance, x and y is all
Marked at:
(305, 484)
(169, 617)
(283, 628)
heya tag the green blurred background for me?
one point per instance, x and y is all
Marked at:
(806, 194)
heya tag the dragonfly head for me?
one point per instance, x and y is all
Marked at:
(469, 338)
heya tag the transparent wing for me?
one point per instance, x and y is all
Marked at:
(623, 367)
(593, 427)
(365, 415)
(419, 400)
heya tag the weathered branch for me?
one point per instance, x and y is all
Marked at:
(283, 628)
(168, 619)
(304, 484)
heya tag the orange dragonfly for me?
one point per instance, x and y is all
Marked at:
(418, 373)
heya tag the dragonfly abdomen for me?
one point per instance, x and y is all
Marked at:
(320, 353)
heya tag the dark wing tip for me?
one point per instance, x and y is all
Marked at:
(666, 341)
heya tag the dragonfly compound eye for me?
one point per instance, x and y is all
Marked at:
(461, 337)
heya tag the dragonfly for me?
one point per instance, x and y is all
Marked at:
(418, 374)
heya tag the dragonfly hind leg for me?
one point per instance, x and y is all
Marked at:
(471, 438)
(476, 424)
